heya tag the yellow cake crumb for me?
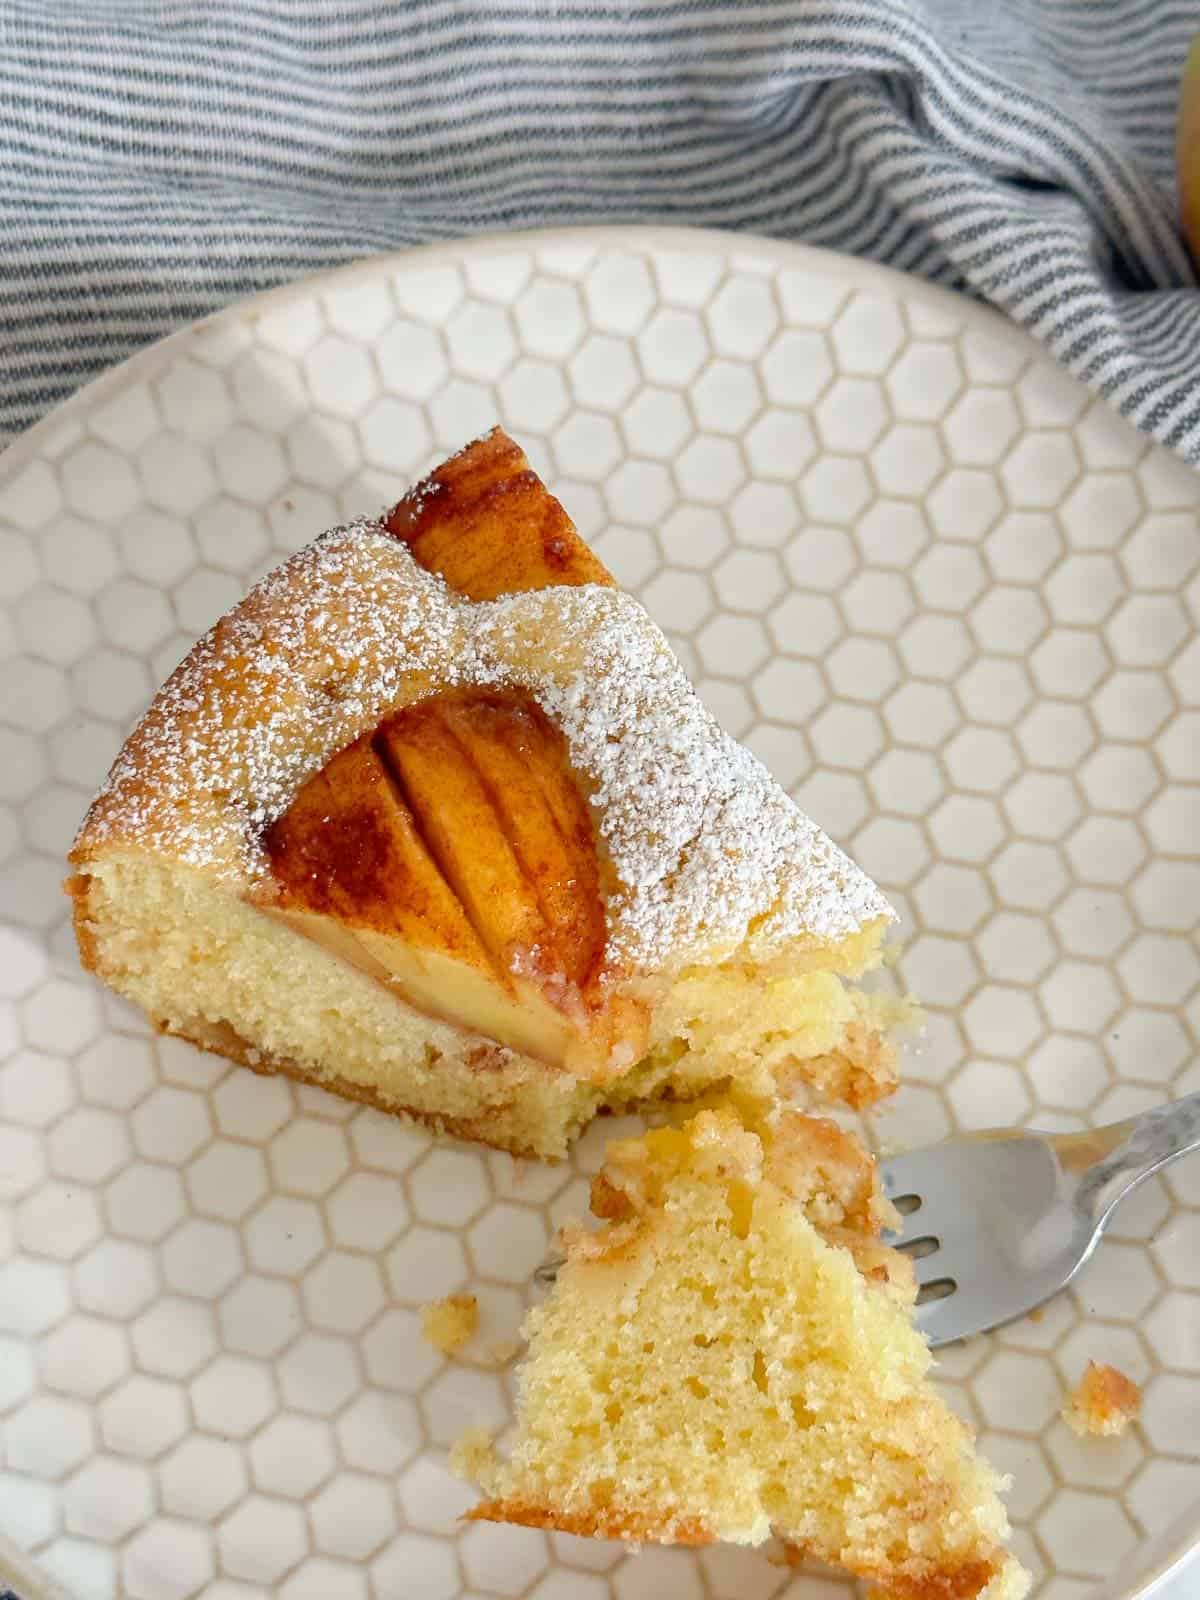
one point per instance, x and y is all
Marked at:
(473, 1458)
(732, 1356)
(449, 1323)
(1103, 1403)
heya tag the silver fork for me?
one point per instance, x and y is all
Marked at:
(997, 1222)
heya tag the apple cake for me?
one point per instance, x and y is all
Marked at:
(731, 1356)
(433, 818)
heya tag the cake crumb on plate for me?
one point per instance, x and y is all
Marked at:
(473, 1458)
(449, 1323)
(1103, 1403)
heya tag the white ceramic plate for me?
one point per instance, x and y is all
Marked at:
(933, 582)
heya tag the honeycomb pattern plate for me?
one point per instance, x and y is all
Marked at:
(936, 585)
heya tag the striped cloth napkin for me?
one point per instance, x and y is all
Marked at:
(160, 158)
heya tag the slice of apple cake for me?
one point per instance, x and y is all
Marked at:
(434, 819)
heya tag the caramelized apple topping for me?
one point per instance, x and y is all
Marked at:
(452, 856)
(485, 522)
(487, 780)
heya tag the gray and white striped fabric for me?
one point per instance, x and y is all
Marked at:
(160, 158)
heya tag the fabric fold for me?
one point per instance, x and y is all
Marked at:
(158, 162)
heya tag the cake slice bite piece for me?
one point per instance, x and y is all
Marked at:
(434, 819)
(731, 1356)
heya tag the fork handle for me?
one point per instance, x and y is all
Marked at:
(1110, 1162)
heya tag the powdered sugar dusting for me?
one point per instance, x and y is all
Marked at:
(710, 851)
(711, 855)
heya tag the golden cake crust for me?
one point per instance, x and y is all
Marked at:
(627, 1523)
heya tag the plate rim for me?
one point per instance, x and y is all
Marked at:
(1169, 1551)
(863, 274)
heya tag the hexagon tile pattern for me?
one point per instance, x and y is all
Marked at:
(947, 596)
